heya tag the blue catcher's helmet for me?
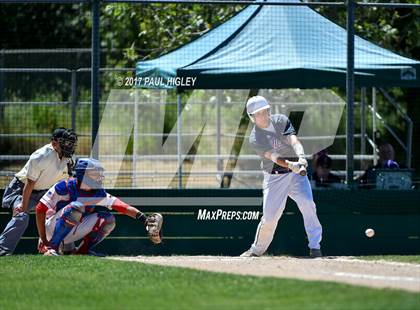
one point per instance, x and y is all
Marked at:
(90, 172)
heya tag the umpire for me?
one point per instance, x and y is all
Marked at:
(45, 167)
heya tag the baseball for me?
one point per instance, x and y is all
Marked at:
(369, 232)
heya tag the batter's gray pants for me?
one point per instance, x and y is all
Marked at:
(16, 227)
(276, 189)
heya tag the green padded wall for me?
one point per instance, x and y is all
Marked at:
(344, 214)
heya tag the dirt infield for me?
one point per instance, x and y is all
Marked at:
(380, 274)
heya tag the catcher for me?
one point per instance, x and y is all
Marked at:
(68, 213)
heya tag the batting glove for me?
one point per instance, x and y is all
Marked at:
(293, 165)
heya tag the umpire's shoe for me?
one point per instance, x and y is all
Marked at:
(248, 254)
(315, 253)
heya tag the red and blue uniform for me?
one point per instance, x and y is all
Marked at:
(66, 205)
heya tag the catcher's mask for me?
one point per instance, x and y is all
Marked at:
(256, 104)
(90, 172)
(67, 140)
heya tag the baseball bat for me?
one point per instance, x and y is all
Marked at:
(302, 171)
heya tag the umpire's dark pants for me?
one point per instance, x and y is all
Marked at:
(12, 198)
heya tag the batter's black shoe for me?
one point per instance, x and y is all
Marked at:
(3, 252)
(315, 253)
(248, 254)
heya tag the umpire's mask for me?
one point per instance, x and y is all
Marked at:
(67, 140)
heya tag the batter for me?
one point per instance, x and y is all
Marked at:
(282, 160)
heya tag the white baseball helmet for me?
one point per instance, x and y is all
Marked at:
(256, 104)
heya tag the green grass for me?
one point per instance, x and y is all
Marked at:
(37, 282)
(394, 258)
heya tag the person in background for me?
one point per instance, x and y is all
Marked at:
(386, 157)
(385, 161)
(322, 172)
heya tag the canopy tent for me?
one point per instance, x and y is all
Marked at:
(278, 47)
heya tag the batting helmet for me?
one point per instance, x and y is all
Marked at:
(90, 171)
(67, 139)
(256, 104)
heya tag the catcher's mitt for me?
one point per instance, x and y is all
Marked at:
(154, 226)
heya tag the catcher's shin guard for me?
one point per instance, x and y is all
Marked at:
(103, 227)
(71, 217)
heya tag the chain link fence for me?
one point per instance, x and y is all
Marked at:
(41, 89)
